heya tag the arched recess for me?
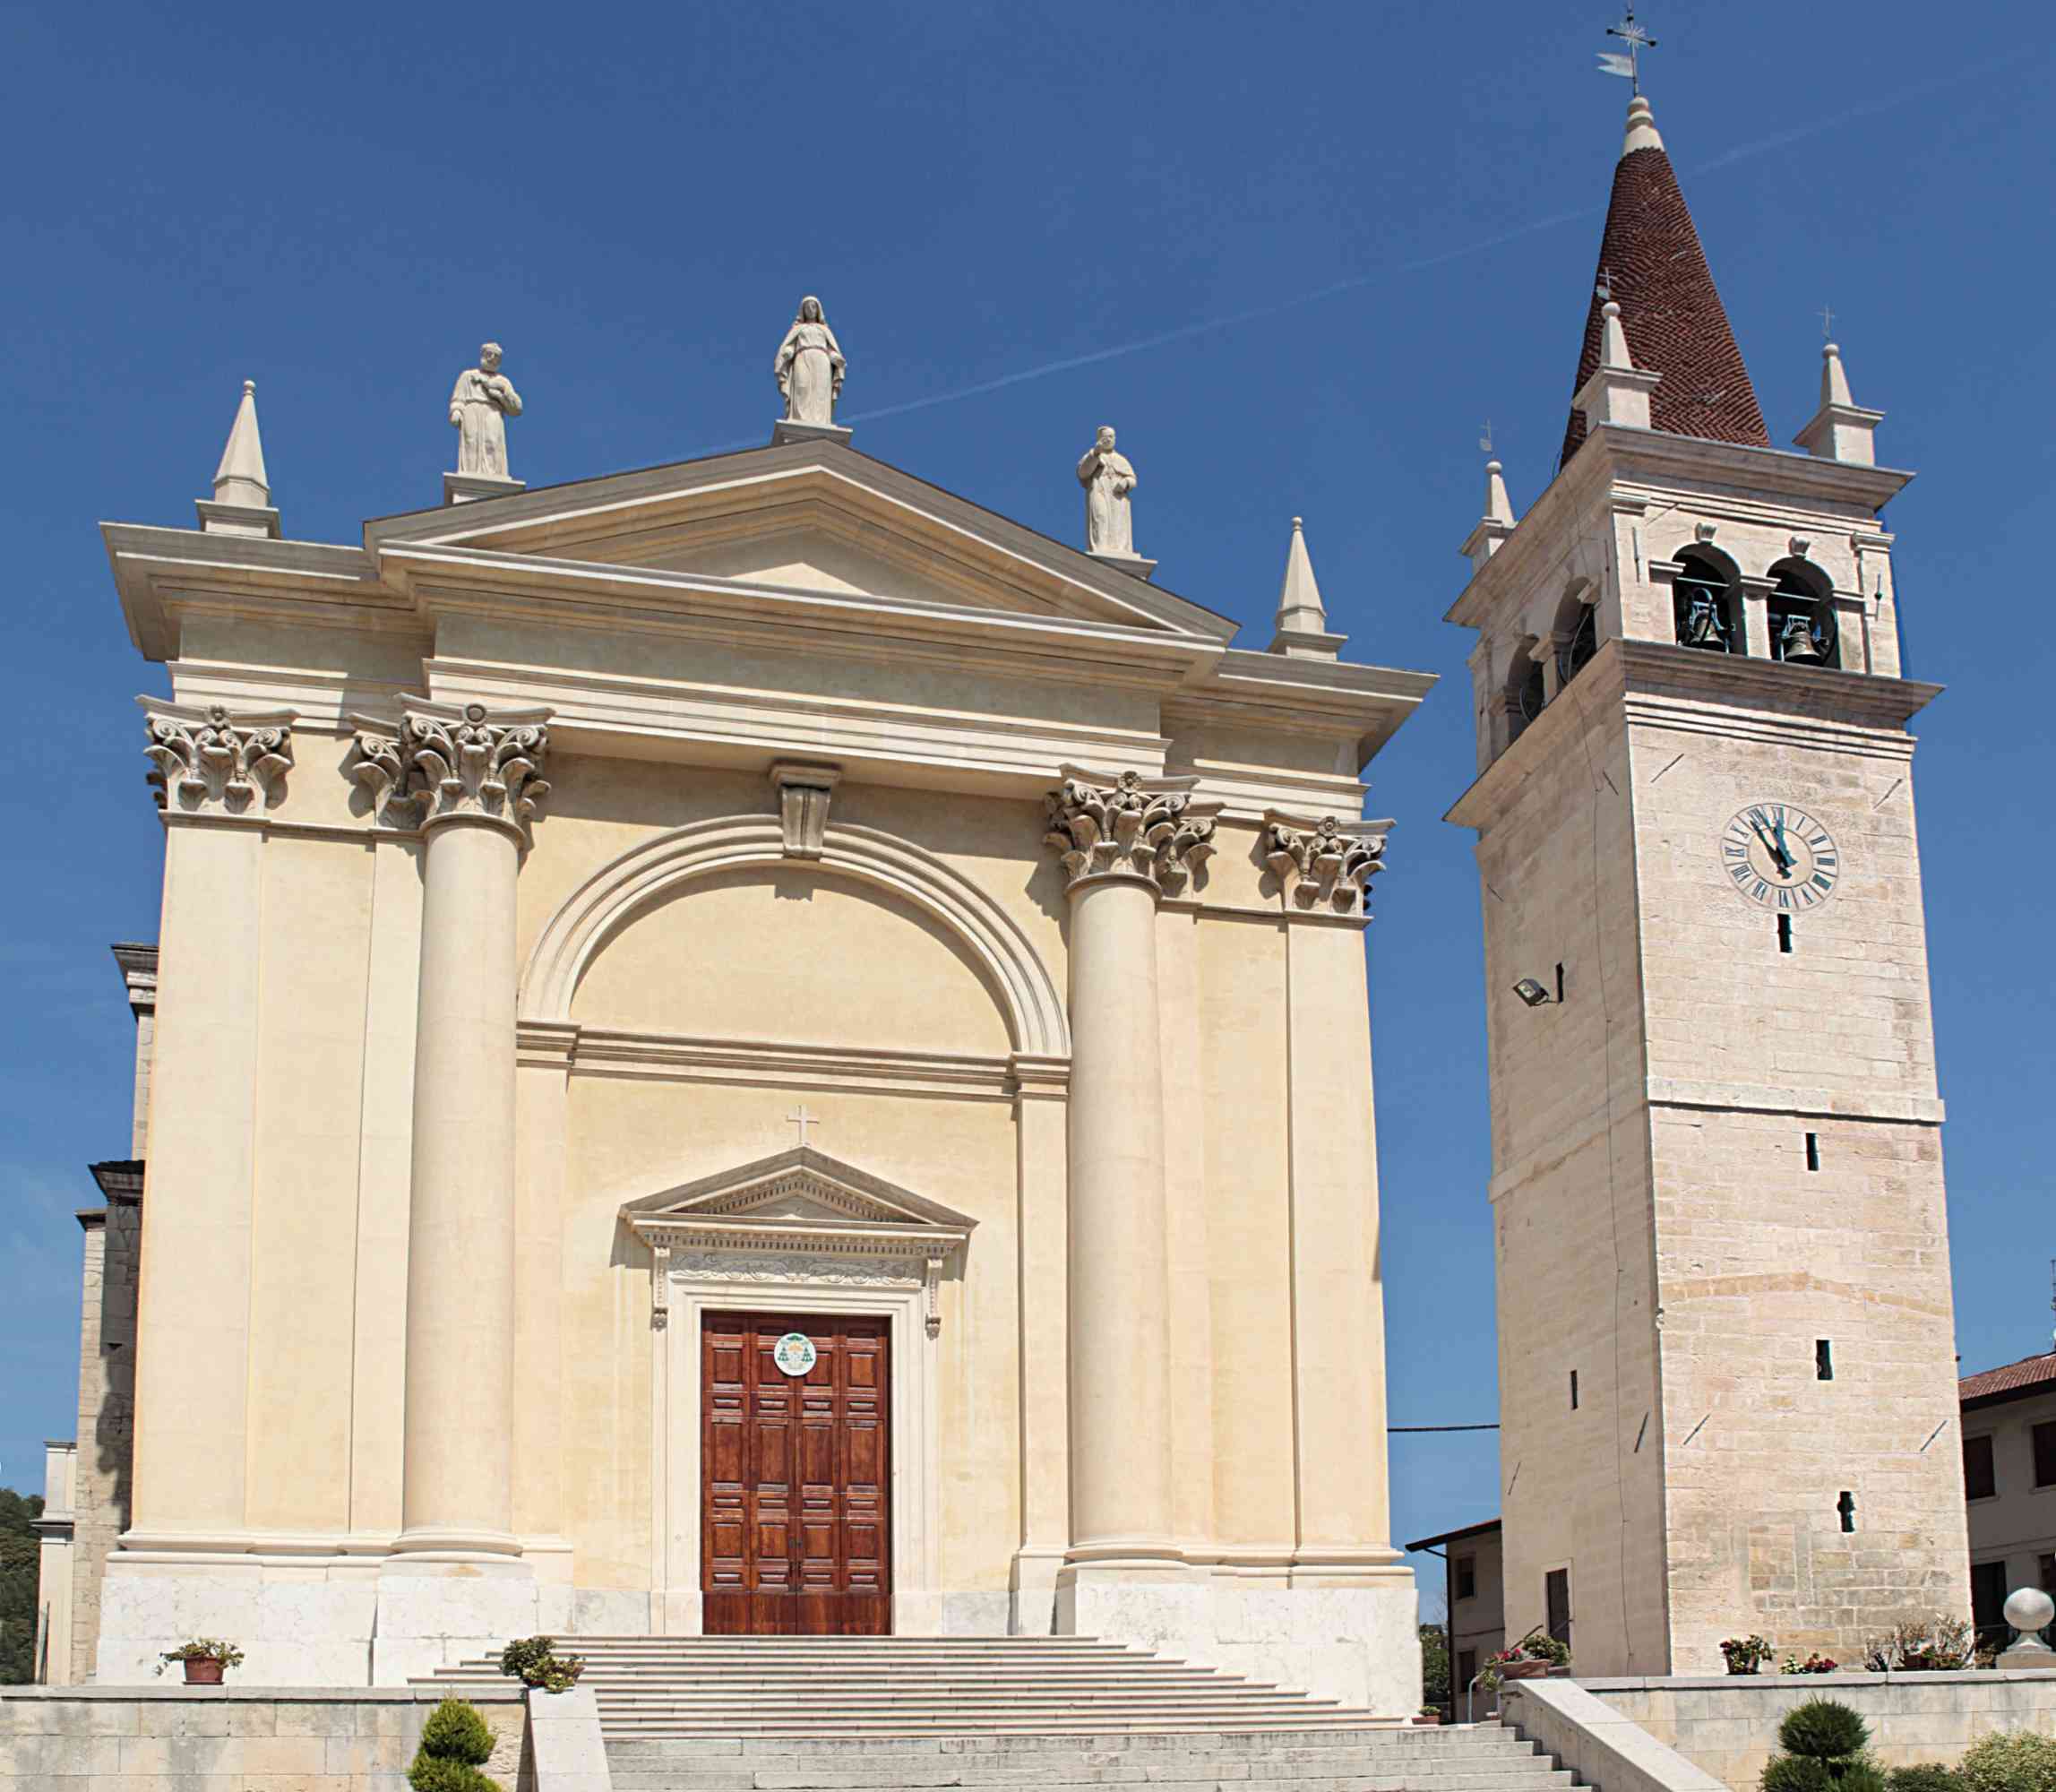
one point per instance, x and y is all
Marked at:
(614, 895)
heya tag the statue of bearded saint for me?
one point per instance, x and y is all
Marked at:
(809, 366)
(480, 407)
(1108, 478)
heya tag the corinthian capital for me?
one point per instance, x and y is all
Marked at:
(1329, 864)
(205, 759)
(1151, 828)
(452, 759)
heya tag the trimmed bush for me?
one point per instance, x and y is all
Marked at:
(455, 1743)
(533, 1661)
(2010, 1761)
(1856, 1775)
(1825, 1729)
(1927, 1776)
(431, 1773)
(1796, 1773)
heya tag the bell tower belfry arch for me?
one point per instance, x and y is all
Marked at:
(1726, 1340)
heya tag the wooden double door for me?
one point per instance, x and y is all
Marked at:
(796, 1533)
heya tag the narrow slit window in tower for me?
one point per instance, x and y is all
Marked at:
(1846, 1506)
(1560, 983)
(1784, 933)
(1574, 1391)
(1813, 1150)
(1823, 1359)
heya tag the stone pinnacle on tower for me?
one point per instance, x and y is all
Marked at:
(1497, 522)
(242, 500)
(1841, 429)
(1302, 630)
(1671, 315)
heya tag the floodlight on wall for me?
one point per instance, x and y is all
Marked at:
(1532, 993)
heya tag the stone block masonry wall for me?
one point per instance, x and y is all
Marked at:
(1728, 1727)
(1801, 1240)
(1580, 1484)
(228, 1740)
(106, 1415)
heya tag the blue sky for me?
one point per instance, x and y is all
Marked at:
(1295, 253)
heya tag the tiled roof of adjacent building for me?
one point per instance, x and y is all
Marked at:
(2010, 1381)
(1650, 258)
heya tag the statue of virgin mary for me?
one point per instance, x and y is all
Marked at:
(809, 366)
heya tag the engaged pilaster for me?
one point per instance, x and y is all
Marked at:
(216, 774)
(1123, 842)
(472, 779)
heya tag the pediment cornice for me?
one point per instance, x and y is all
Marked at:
(800, 1197)
(629, 518)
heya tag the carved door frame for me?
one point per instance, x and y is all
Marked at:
(894, 1288)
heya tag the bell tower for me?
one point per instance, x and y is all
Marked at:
(1727, 1371)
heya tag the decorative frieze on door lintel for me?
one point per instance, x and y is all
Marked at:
(803, 1218)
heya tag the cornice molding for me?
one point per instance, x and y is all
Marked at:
(1798, 488)
(1661, 686)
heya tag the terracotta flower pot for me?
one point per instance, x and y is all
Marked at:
(1429, 1717)
(203, 1670)
(1523, 1670)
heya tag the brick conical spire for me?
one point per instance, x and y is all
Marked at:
(1651, 258)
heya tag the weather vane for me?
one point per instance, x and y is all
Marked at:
(1628, 66)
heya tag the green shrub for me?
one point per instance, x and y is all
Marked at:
(1928, 1776)
(1796, 1773)
(430, 1773)
(1861, 1775)
(535, 1662)
(1823, 1728)
(455, 1742)
(2010, 1761)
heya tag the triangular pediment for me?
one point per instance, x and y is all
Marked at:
(799, 1192)
(801, 518)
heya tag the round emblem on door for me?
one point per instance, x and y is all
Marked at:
(794, 1354)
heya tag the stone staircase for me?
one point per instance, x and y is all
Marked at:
(786, 1714)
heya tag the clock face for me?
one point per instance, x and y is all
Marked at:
(1779, 856)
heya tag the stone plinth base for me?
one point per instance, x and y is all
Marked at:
(1127, 562)
(463, 487)
(1357, 1642)
(785, 430)
(324, 1620)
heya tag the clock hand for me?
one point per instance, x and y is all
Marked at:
(1770, 845)
(1784, 851)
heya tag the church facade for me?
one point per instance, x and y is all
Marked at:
(750, 1047)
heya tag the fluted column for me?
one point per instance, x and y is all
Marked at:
(471, 779)
(1125, 841)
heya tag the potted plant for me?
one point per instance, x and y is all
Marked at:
(1534, 1656)
(1815, 1663)
(206, 1658)
(1745, 1654)
(1934, 1644)
(1429, 1714)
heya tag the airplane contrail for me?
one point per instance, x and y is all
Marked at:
(1416, 264)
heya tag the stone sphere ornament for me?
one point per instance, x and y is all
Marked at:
(2029, 1610)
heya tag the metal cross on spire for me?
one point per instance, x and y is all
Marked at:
(1629, 66)
(1484, 440)
(1827, 325)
